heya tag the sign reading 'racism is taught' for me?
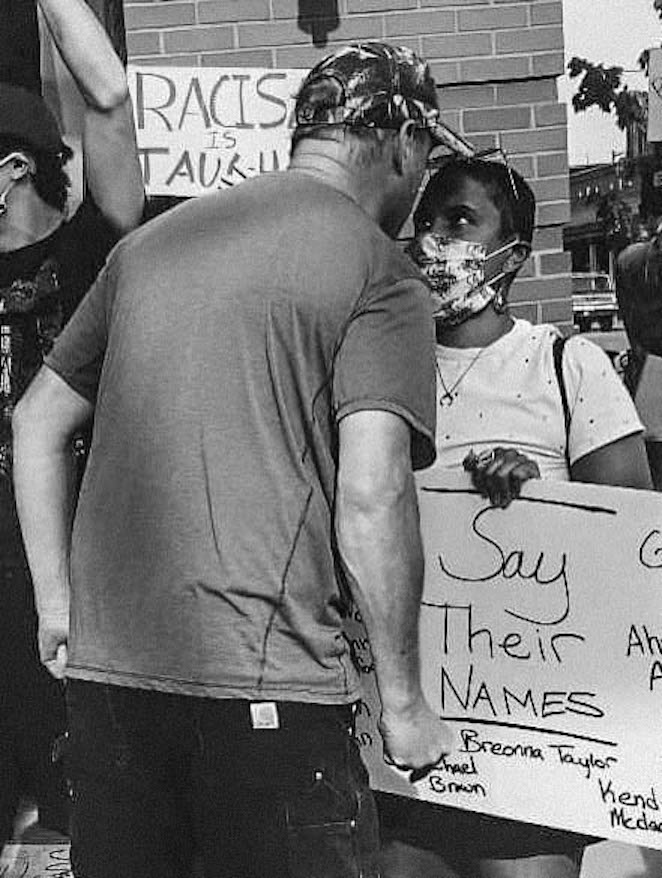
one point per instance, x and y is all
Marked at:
(201, 129)
(541, 631)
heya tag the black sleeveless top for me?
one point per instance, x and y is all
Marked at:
(40, 287)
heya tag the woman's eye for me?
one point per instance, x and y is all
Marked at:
(460, 222)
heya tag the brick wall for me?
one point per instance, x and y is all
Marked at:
(495, 60)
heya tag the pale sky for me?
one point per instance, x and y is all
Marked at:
(612, 32)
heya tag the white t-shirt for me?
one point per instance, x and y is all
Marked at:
(508, 395)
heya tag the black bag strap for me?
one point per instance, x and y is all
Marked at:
(633, 365)
(557, 353)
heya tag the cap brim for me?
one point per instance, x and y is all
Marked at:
(454, 143)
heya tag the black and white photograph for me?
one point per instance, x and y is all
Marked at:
(330, 438)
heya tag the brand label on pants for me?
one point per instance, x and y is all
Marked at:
(264, 715)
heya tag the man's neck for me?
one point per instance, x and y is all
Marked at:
(328, 161)
(27, 220)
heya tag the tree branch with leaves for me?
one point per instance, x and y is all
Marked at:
(601, 86)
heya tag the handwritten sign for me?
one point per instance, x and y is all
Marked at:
(35, 861)
(201, 129)
(655, 95)
(541, 632)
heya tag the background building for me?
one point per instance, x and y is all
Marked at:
(496, 60)
(614, 203)
(604, 201)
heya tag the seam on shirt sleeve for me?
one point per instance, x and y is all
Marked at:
(76, 386)
(423, 451)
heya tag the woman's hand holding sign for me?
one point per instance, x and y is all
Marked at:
(500, 473)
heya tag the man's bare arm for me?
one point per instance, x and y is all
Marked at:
(44, 422)
(378, 536)
(112, 168)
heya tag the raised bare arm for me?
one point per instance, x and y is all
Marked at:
(112, 167)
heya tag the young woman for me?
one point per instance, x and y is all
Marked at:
(502, 416)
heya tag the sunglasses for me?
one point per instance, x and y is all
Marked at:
(439, 156)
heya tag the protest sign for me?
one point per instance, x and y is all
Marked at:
(541, 635)
(35, 860)
(201, 129)
(655, 95)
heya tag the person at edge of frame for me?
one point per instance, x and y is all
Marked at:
(48, 260)
(260, 365)
(501, 416)
(639, 296)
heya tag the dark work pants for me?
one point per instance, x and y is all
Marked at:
(159, 780)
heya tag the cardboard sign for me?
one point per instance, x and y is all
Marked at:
(541, 634)
(35, 861)
(655, 95)
(201, 129)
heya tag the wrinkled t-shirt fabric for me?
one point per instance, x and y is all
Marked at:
(221, 346)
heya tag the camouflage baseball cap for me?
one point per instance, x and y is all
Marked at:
(375, 85)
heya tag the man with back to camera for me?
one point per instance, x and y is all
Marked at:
(260, 365)
(48, 260)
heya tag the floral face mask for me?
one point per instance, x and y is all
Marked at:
(455, 270)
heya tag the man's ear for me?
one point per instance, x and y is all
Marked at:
(518, 256)
(404, 145)
(21, 165)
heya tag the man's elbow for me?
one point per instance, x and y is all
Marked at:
(112, 97)
(375, 516)
(374, 493)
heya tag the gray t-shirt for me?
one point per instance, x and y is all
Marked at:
(221, 346)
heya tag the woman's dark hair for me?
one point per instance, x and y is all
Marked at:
(50, 180)
(508, 191)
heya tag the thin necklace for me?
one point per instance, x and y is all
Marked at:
(449, 395)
